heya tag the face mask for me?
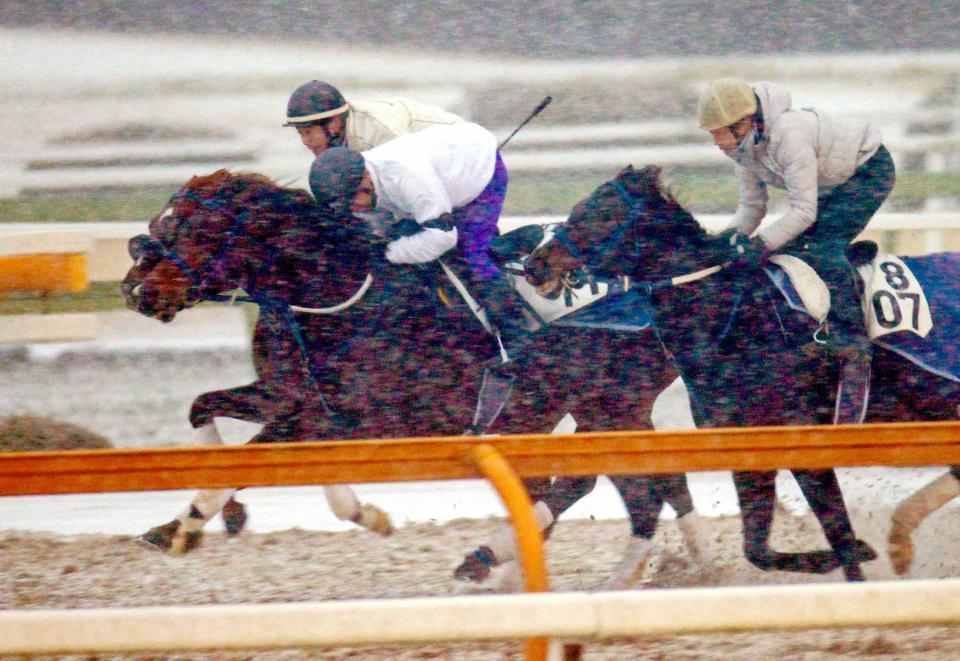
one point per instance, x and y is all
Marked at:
(748, 141)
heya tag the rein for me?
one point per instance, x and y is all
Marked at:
(636, 207)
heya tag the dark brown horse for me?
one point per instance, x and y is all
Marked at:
(736, 342)
(348, 346)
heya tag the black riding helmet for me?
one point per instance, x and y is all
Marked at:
(314, 102)
(335, 177)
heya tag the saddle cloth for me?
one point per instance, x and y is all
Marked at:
(903, 298)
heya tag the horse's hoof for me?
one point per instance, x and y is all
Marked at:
(169, 538)
(376, 520)
(863, 552)
(901, 554)
(234, 516)
(186, 542)
(476, 566)
(853, 573)
(159, 538)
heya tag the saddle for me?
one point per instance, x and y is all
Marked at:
(892, 297)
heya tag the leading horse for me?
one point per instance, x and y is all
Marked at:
(348, 346)
(736, 342)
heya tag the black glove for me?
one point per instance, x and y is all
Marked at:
(403, 227)
(747, 252)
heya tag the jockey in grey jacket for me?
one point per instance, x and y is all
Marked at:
(807, 152)
(836, 172)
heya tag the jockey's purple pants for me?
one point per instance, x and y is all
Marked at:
(477, 225)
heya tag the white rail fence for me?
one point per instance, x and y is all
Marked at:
(547, 149)
(582, 616)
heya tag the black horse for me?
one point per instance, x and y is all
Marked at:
(737, 345)
(348, 346)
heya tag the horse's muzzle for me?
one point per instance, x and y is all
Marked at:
(139, 298)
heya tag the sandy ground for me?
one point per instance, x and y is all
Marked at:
(43, 571)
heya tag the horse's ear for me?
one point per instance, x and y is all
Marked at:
(651, 172)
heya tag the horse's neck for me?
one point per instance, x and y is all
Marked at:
(309, 267)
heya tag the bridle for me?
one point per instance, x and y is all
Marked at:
(636, 207)
(198, 287)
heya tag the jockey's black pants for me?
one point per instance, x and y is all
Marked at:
(842, 214)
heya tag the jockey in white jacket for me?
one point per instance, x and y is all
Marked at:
(836, 173)
(452, 182)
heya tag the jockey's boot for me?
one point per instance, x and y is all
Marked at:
(511, 320)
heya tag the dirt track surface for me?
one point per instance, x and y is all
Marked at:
(142, 399)
(47, 571)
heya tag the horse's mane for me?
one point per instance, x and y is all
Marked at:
(647, 182)
(677, 234)
(248, 184)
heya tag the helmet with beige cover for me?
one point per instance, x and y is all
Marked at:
(724, 102)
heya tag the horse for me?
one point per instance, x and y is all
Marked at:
(737, 344)
(347, 345)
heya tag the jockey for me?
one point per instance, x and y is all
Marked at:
(324, 119)
(836, 173)
(452, 182)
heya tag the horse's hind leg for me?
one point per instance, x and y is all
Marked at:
(911, 513)
(756, 493)
(822, 491)
(346, 507)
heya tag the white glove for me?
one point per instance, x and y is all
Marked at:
(424, 246)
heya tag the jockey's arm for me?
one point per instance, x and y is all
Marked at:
(424, 198)
(424, 246)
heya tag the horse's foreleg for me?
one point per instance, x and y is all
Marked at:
(346, 507)
(911, 513)
(186, 531)
(501, 548)
(550, 497)
(234, 513)
(822, 491)
(643, 500)
(675, 490)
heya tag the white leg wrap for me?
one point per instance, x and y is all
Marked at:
(208, 435)
(692, 532)
(509, 578)
(343, 502)
(504, 541)
(208, 503)
(635, 568)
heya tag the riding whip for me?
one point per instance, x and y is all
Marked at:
(536, 111)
